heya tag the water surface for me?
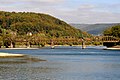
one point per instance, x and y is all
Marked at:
(64, 63)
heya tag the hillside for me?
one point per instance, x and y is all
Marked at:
(94, 29)
(36, 23)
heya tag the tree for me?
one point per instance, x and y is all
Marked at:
(113, 31)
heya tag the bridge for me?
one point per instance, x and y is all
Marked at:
(53, 41)
(106, 40)
(110, 41)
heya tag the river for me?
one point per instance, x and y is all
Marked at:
(64, 63)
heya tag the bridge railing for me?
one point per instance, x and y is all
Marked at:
(110, 39)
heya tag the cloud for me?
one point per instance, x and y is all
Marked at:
(87, 7)
(82, 13)
(90, 14)
(49, 0)
(29, 5)
(27, 1)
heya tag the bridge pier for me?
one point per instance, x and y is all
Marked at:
(52, 45)
(83, 44)
(11, 44)
(28, 44)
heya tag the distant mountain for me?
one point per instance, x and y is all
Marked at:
(95, 29)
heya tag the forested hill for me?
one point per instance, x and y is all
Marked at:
(36, 23)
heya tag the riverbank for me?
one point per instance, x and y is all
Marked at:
(112, 49)
(19, 48)
(20, 58)
(11, 55)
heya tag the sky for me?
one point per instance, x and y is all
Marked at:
(71, 11)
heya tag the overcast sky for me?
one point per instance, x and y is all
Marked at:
(71, 11)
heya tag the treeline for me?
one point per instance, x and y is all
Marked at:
(113, 31)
